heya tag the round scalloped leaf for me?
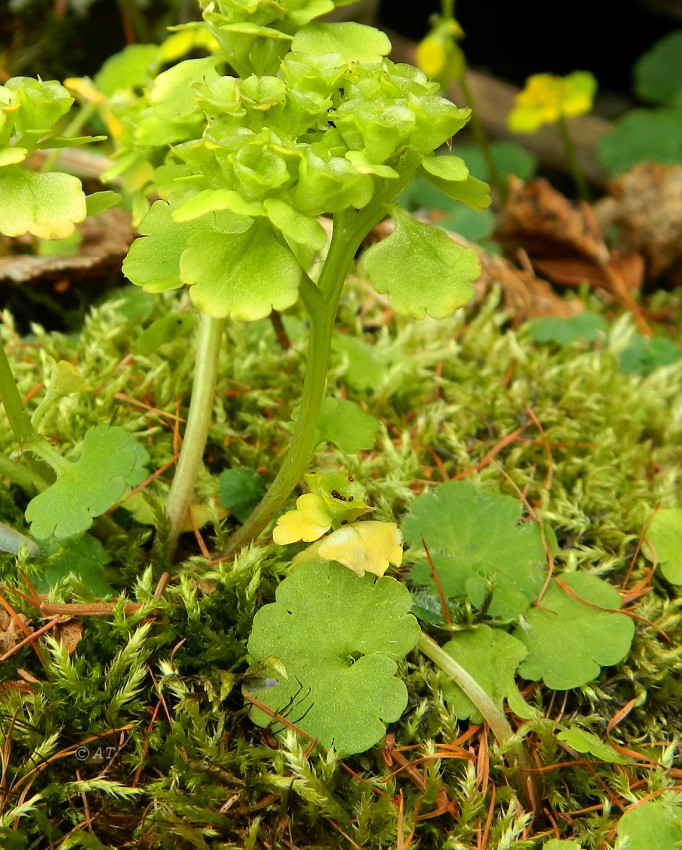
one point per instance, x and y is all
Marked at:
(491, 656)
(664, 542)
(568, 639)
(45, 205)
(109, 464)
(654, 824)
(421, 269)
(476, 539)
(339, 637)
(242, 275)
(354, 42)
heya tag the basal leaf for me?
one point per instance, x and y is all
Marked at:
(568, 639)
(240, 491)
(82, 556)
(338, 637)
(109, 464)
(243, 275)
(658, 72)
(664, 539)
(476, 539)
(491, 656)
(421, 269)
(586, 326)
(45, 205)
(655, 823)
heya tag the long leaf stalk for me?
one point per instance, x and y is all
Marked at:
(198, 424)
(492, 714)
(321, 300)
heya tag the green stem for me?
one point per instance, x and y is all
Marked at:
(19, 420)
(24, 477)
(572, 160)
(481, 139)
(198, 423)
(492, 714)
(322, 311)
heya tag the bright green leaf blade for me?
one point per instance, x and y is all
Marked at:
(587, 742)
(339, 637)
(242, 275)
(109, 464)
(644, 355)
(352, 41)
(346, 425)
(98, 202)
(421, 269)
(664, 538)
(45, 205)
(559, 844)
(240, 491)
(491, 656)
(475, 537)
(132, 68)
(568, 640)
(654, 824)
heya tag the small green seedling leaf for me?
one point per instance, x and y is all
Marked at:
(240, 491)
(476, 539)
(644, 355)
(339, 638)
(658, 72)
(653, 824)
(586, 326)
(640, 135)
(664, 539)
(491, 656)
(346, 425)
(82, 556)
(162, 331)
(569, 639)
(109, 464)
(421, 269)
(587, 742)
(45, 205)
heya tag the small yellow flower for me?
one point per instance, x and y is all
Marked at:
(438, 54)
(368, 546)
(547, 98)
(309, 521)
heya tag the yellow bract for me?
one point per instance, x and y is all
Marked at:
(547, 98)
(309, 521)
(368, 546)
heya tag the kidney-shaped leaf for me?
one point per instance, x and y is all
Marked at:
(421, 269)
(664, 539)
(109, 464)
(339, 637)
(491, 656)
(656, 823)
(242, 275)
(45, 205)
(568, 639)
(477, 543)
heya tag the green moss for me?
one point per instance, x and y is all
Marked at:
(162, 686)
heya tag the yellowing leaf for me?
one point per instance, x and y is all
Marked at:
(309, 521)
(547, 98)
(364, 547)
